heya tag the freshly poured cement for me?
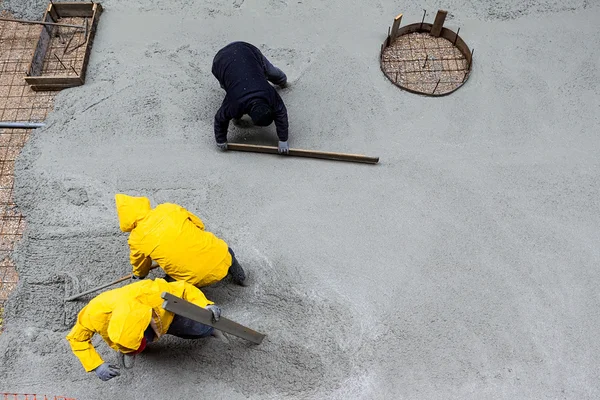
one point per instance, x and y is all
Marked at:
(464, 265)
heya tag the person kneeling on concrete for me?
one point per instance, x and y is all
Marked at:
(175, 238)
(244, 72)
(130, 317)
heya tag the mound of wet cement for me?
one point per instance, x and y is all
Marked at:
(464, 265)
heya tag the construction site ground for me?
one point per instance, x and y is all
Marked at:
(17, 103)
(463, 266)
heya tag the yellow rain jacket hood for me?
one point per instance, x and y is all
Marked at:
(122, 315)
(125, 322)
(174, 238)
(131, 210)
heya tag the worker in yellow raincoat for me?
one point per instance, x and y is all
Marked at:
(129, 317)
(175, 239)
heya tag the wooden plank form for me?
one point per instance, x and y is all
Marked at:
(395, 27)
(97, 10)
(189, 310)
(53, 13)
(48, 87)
(71, 9)
(438, 24)
(54, 80)
(325, 155)
(432, 29)
(37, 60)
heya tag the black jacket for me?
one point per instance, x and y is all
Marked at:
(240, 69)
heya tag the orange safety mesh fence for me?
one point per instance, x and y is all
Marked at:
(18, 396)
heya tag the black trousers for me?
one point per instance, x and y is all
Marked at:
(236, 271)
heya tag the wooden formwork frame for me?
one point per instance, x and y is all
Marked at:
(435, 29)
(53, 13)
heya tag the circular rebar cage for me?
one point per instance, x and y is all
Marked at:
(419, 62)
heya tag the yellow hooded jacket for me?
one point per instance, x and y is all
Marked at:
(122, 315)
(174, 238)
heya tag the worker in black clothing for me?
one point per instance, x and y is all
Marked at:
(244, 72)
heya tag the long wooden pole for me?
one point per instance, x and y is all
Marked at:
(24, 21)
(304, 153)
(124, 278)
(75, 297)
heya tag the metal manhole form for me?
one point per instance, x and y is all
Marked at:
(426, 58)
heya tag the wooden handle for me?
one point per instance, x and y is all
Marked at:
(124, 278)
(75, 297)
(325, 155)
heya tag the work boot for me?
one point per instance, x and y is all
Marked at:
(217, 334)
(237, 273)
(246, 281)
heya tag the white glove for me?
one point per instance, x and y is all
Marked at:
(215, 310)
(283, 148)
(107, 371)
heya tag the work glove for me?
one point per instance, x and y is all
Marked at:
(283, 147)
(107, 371)
(222, 146)
(215, 310)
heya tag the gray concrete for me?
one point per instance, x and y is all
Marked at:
(464, 266)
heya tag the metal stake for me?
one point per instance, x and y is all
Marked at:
(24, 21)
(425, 63)
(61, 63)
(469, 66)
(424, 12)
(456, 37)
(68, 43)
(436, 85)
